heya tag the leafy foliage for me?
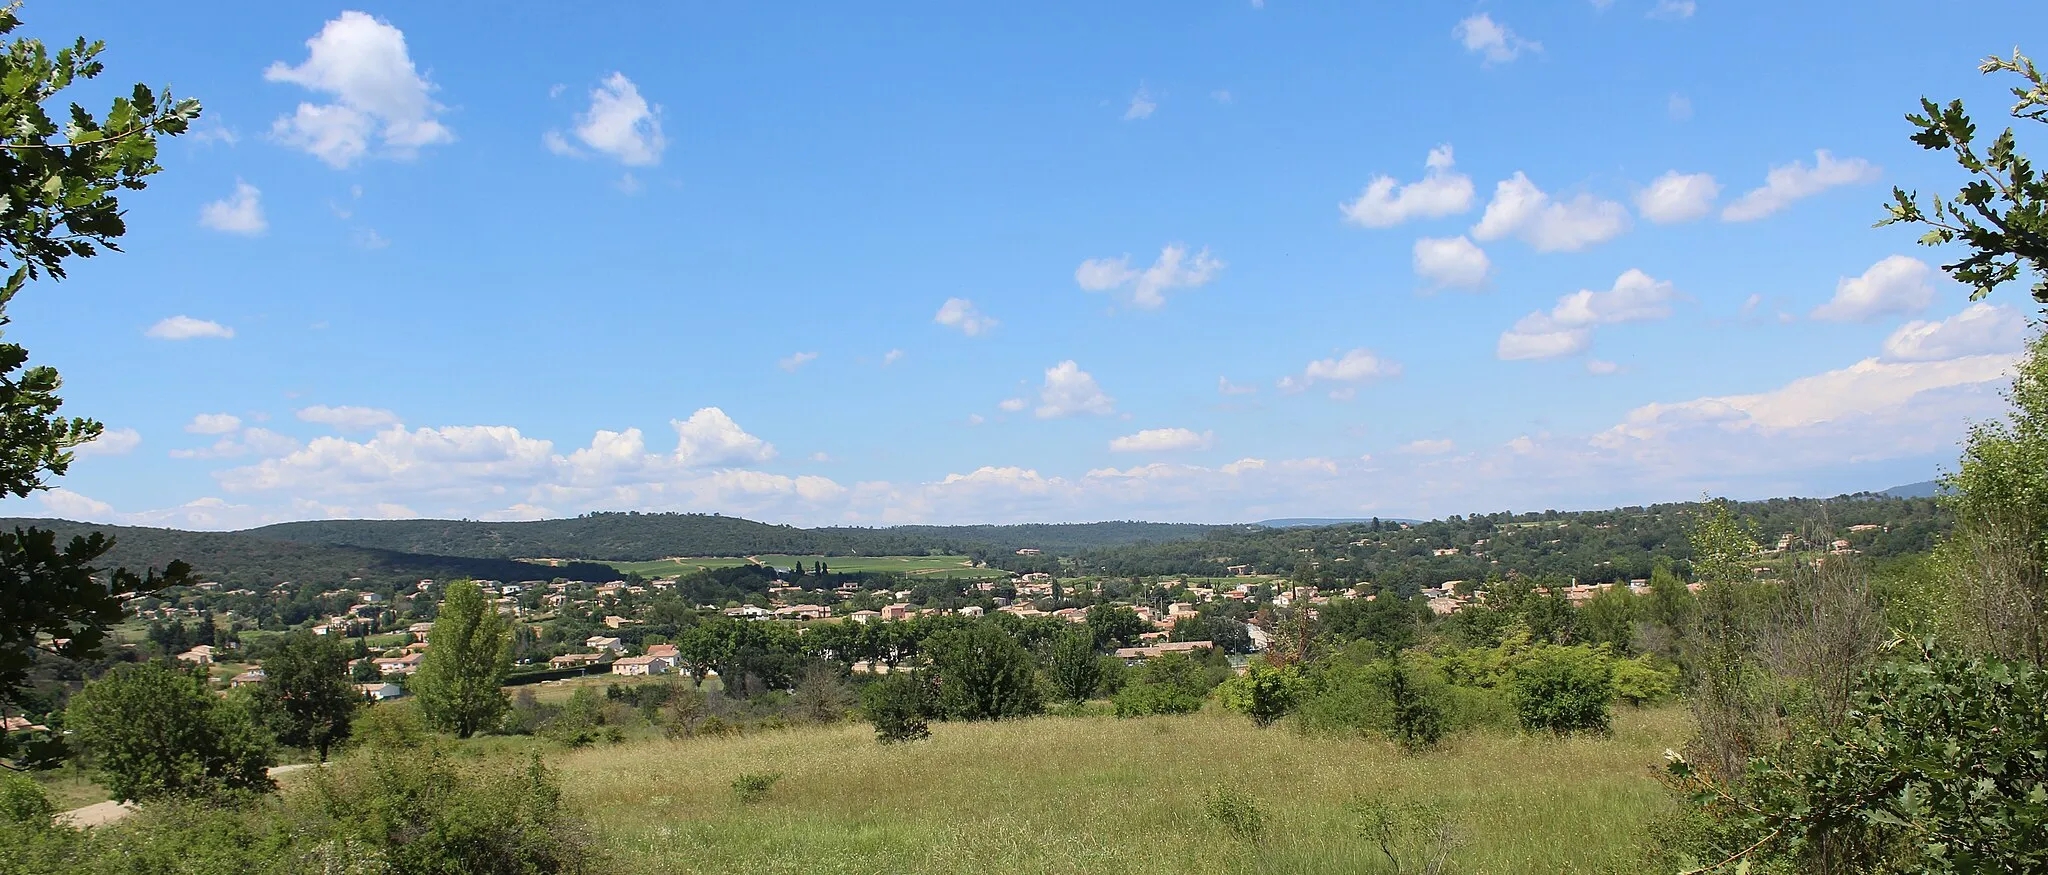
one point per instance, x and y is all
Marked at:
(151, 730)
(468, 653)
(1564, 690)
(1236, 811)
(983, 674)
(1263, 693)
(1073, 667)
(307, 693)
(899, 706)
(753, 787)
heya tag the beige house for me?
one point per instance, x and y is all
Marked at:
(640, 665)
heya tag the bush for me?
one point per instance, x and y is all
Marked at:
(1237, 811)
(421, 813)
(23, 801)
(152, 730)
(1174, 683)
(753, 787)
(1401, 698)
(1638, 682)
(983, 674)
(899, 706)
(1263, 693)
(1564, 690)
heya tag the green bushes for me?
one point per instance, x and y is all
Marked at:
(899, 706)
(1402, 698)
(1563, 690)
(1237, 812)
(152, 730)
(1173, 683)
(753, 787)
(1263, 693)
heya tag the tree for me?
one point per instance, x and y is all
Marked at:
(307, 692)
(152, 730)
(899, 705)
(1263, 693)
(1115, 626)
(983, 674)
(57, 203)
(1564, 690)
(2002, 216)
(469, 652)
(1074, 669)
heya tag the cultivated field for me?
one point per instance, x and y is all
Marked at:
(1100, 795)
(674, 566)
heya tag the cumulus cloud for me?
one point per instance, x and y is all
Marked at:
(1451, 262)
(1428, 447)
(347, 418)
(962, 314)
(1355, 366)
(891, 357)
(1794, 181)
(213, 423)
(1673, 9)
(795, 360)
(111, 442)
(1172, 270)
(363, 65)
(1599, 368)
(1980, 329)
(1224, 386)
(188, 328)
(1141, 105)
(1895, 285)
(619, 124)
(1158, 440)
(1678, 197)
(1481, 35)
(1069, 390)
(238, 213)
(1012, 405)
(1520, 208)
(709, 437)
(1568, 327)
(1440, 192)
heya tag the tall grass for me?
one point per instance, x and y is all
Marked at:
(1099, 795)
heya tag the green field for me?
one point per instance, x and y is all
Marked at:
(1098, 794)
(919, 566)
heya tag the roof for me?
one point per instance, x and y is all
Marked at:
(637, 660)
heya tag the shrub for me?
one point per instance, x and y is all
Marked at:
(23, 801)
(1412, 836)
(1237, 811)
(152, 730)
(1564, 690)
(899, 706)
(753, 787)
(983, 674)
(1402, 698)
(1263, 693)
(1174, 683)
(1638, 682)
(421, 813)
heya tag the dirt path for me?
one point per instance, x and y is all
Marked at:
(103, 813)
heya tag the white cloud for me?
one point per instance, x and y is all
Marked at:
(1794, 181)
(795, 360)
(347, 418)
(1069, 390)
(1451, 261)
(1224, 386)
(1355, 366)
(962, 314)
(891, 357)
(1480, 34)
(73, 506)
(1427, 447)
(1678, 197)
(1160, 440)
(619, 123)
(1979, 329)
(1012, 405)
(362, 63)
(1520, 208)
(238, 213)
(1172, 270)
(111, 442)
(213, 423)
(188, 328)
(1599, 368)
(1897, 284)
(709, 437)
(261, 442)
(1141, 105)
(1673, 9)
(1440, 192)
(1568, 327)
(1678, 107)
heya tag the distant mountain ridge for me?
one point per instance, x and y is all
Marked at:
(1923, 489)
(1311, 522)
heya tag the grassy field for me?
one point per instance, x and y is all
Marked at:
(1100, 795)
(920, 566)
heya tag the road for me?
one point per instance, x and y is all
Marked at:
(102, 813)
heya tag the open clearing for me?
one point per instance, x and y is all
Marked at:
(917, 566)
(1097, 794)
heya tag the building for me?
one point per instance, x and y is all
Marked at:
(380, 692)
(575, 660)
(1133, 655)
(399, 665)
(419, 631)
(865, 617)
(252, 676)
(602, 642)
(201, 655)
(803, 612)
(640, 665)
(897, 611)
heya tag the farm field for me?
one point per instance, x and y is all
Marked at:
(921, 566)
(1098, 794)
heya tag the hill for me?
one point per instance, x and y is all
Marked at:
(248, 559)
(630, 537)
(1923, 489)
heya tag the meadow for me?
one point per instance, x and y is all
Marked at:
(1094, 794)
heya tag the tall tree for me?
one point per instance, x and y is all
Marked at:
(1074, 669)
(152, 730)
(307, 692)
(469, 653)
(983, 673)
(57, 185)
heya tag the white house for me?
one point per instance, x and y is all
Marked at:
(604, 642)
(380, 692)
(640, 665)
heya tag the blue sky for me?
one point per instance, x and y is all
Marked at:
(505, 261)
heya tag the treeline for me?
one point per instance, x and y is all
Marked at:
(643, 536)
(1589, 546)
(249, 559)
